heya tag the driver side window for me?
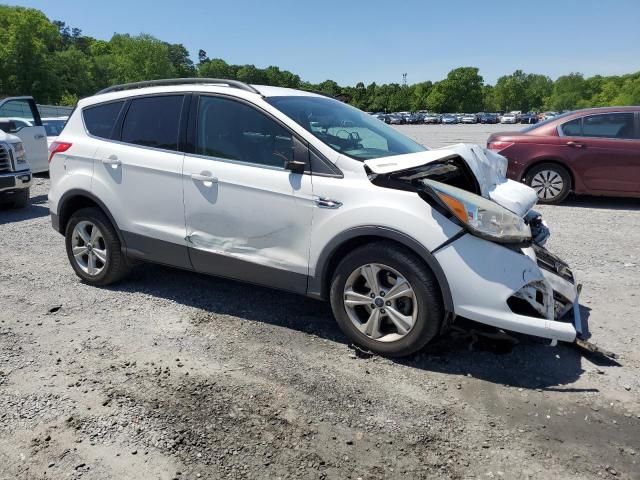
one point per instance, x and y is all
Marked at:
(231, 130)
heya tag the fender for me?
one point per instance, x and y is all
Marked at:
(317, 285)
(56, 218)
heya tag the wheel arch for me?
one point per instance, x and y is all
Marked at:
(319, 284)
(75, 199)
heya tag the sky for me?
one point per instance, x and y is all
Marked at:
(378, 40)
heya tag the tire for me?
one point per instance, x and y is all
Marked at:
(21, 199)
(424, 304)
(551, 182)
(110, 265)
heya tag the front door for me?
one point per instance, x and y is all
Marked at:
(247, 216)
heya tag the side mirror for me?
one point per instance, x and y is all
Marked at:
(295, 166)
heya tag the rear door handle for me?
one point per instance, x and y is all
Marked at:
(201, 177)
(111, 160)
(38, 136)
(575, 144)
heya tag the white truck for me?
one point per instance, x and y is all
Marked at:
(19, 116)
(15, 175)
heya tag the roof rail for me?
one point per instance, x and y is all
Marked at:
(180, 81)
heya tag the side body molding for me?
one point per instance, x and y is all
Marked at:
(318, 285)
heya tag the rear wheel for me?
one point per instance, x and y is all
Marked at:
(386, 300)
(93, 248)
(551, 182)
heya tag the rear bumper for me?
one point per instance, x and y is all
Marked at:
(512, 289)
(15, 181)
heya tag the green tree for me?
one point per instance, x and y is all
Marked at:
(27, 41)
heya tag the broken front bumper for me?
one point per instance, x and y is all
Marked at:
(525, 290)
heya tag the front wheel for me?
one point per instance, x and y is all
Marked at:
(386, 300)
(21, 199)
(551, 182)
(93, 248)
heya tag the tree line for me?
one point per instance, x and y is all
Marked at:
(57, 64)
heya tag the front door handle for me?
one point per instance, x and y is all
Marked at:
(202, 177)
(39, 136)
(575, 144)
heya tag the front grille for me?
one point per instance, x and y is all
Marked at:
(551, 263)
(5, 158)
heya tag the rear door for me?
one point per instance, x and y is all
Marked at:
(138, 175)
(606, 151)
(29, 129)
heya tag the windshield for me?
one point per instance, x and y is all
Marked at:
(53, 127)
(344, 128)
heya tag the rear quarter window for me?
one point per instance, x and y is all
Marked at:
(100, 120)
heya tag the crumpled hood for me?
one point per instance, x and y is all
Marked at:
(488, 167)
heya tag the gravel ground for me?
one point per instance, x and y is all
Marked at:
(176, 375)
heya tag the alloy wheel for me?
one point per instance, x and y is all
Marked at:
(89, 248)
(380, 302)
(548, 184)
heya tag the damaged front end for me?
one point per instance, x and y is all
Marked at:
(500, 274)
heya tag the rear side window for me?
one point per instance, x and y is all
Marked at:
(153, 122)
(572, 128)
(101, 119)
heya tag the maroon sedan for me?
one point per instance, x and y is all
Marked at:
(595, 151)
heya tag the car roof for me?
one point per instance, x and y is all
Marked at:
(264, 91)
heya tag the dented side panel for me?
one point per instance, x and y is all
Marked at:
(256, 215)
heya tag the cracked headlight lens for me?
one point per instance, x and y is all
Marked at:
(481, 216)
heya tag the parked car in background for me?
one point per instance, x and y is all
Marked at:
(399, 239)
(395, 119)
(548, 115)
(448, 119)
(15, 174)
(20, 117)
(53, 127)
(414, 118)
(489, 118)
(431, 118)
(469, 118)
(594, 151)
(529, 117)
(509, 118)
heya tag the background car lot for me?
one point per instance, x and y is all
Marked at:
(228, 380)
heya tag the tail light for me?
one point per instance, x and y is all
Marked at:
(58, 147)
(496, 146)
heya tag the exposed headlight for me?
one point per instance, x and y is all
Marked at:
(480, 216)
(21, 156)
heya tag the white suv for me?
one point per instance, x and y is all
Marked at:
(300, 192)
